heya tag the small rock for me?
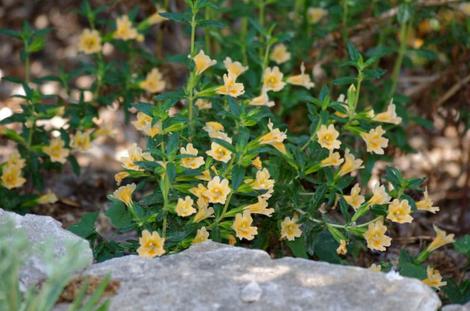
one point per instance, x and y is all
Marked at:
(251, 292)
(465, 307)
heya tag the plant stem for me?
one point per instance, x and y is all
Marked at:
(190, 86)
(261, 6)
(404, 31)
(224, 210)
(346, 227)
(344, 21)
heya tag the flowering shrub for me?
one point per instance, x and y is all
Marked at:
(220, 162)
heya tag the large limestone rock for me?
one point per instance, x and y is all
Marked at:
(45, 233)
(212, 276)
(465, 307)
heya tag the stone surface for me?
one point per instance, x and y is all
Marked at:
(44, 233)
(212, 276)
(465, 307)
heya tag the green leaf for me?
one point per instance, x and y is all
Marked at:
(325, 248)
(238, 173)
(119, 215)
(298, 247)
(462, 245)
(408, 267)
(85, 226)
(457, 292)
(74, 163)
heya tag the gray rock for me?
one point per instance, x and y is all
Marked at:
(212, 276)
(45, 234)
(465, 307)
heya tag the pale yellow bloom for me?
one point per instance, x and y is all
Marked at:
(203, 212)
(257, 163)
(231, 240)
(81, 141)
(426, 204)
(135, 154)
(201, 236)
(124, 193)
(376, 268)
(389, 116)
(89, 42)
(350, 165)
(260, 207)
(219, 153)
(231, 87)
(206, 175)
(47, 198)
(464, 8)
(118, 177)
(375, 140)
(144, 124)
(342, 248)
(375, 236)
(213, 126)
(234, 69)
(314, 15)
(328, 137)
(202, 62)
(15, 159)
(262, 100)
(333, 159)
(153, 82)
(441, 239)
(263, 181)
(290, 229)
(243, 228)
(11, 177)
(217, 190)
(379, 196)
(193, 162)
(184, 207)
(355, 199)
(272, 79)
(56, 151)
(274, 138)
(399, 211)
(151, 245)
(280, 54)
(302, 79)
(434, 278)
(124, 29)
(200, 193)
(203, 104)
(156, 18)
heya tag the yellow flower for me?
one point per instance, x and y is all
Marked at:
(81, 141)
(124, 29)
(243, 228)
(124, 194)
(231, 87)
(263, 181)
(355, 199)
(56, 151)
(144, 124)
(399, 211)
(327, 137)
(374, 140)
(89, 42)
(206, 175)
(203, 212)
(217, 190)
(185, 207)
(351, 164)
(272, 79)
(464, 8)
(203, 104)
(151, 245)
(274, 138)
(342, 249)
(262, 100)
(200, 193)
(120, 176)
(441, 239)
(259, 208)
(219, 153)
(14, 159)
(290, 229)
(213, 126)
(376, 268)
(379, 196)
(302, 79)
(333, 159)
(202, 62)
(425, 204)
(153, 82)
(11, 177)
(135, 155)
(257, 163)
(434, 278)
(279, 54)
(314, 15)
(156, 18)
(47, 198)
(201, 236)
(389, 116)
(375, 236)
(193, 162)
(234, 69)
(231, 240)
